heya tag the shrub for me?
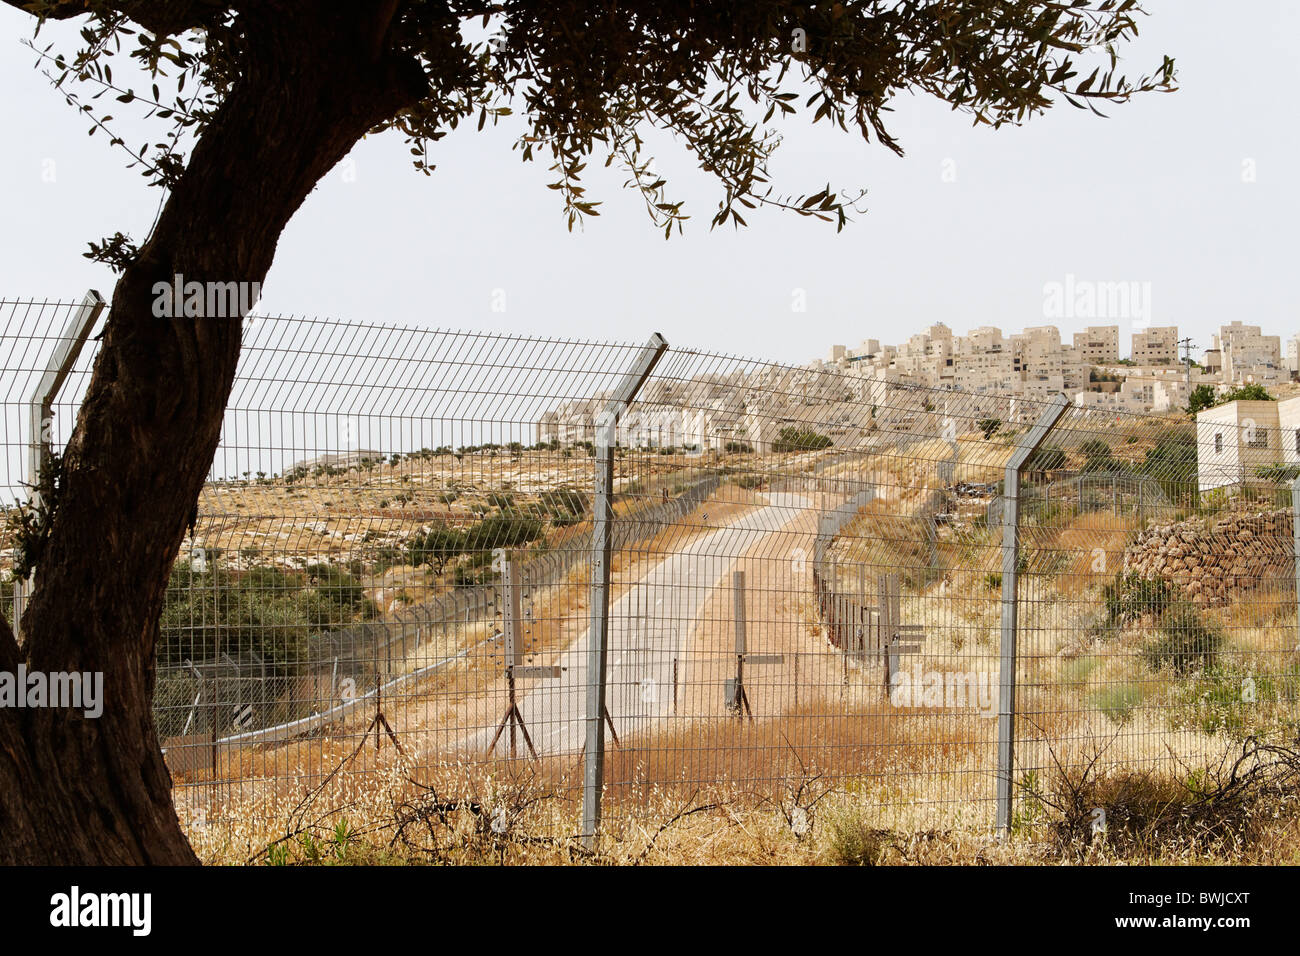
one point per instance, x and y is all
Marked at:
(264, 611)
(1246, 393)
(1097, 455)
(502, 531)
(1046, 458)
(1132, 597)
(385, 558)
(435, 547)
(851, 841)
(1118, 702)
(1172, 462)
(1201, 398)
(1186, 641)
(342, 599)
(564, 506)
(1278, 473)
(468, 576)
(791, 438)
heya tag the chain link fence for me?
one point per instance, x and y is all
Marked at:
(569, 583)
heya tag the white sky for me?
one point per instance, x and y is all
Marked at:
(1153, 194)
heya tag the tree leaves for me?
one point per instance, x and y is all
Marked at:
(589, 77)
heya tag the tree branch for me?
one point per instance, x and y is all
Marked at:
(160, 17)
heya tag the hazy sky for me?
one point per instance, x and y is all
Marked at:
(1155, 194)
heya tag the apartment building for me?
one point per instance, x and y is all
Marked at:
(1247, 355)
(1098, 344)
(1045, 366)
(1155, 346)
(1022, 369)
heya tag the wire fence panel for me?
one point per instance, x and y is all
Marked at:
(383, 609)
(1158, 626)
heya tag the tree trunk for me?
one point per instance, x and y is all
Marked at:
(96, 791)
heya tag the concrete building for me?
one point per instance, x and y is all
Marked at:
(1155, 346)
(1248, 355)
(1097, 344)
(1234, 441)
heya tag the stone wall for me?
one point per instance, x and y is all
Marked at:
(1234, 555)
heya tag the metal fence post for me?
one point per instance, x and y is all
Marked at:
(67, 348)
(1028, 443)
(593, 771)
(1295, 550)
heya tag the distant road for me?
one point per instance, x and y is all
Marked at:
(648, 628)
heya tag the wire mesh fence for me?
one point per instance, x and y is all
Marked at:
(392, 582)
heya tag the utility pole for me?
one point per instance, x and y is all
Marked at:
(1188, 345)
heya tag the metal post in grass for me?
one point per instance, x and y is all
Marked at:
(67, 347)
(593, 770)
(1025, 447)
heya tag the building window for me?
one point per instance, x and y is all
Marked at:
(1297, 441)
(1218, 443)
(1257, 438)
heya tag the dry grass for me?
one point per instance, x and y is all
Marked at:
(1238, 809)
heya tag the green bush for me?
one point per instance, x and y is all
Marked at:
(1186, 641)
(468, 576)
(502, 531)
(1278, 472)
(435, 547)
(563, 500)
(1132, 597)
(1046, 458)
(1246, 393)
(1119, 702)
(337, 595)
(1201, 398)
(1172, 462)
(791, 438)
(387, 557)
(1097, 455)
(266, 613)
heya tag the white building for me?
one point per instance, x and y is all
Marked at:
(1234, 441)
